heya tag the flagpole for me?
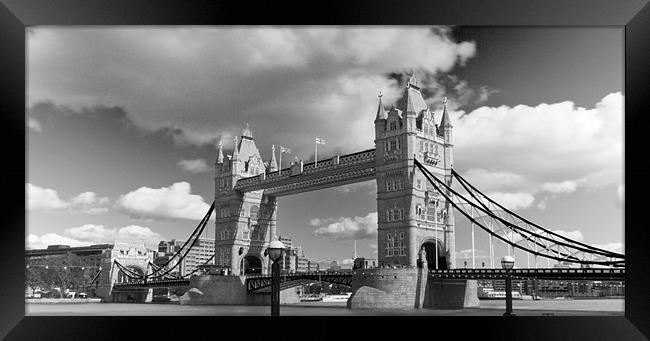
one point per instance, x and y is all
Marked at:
(280, 168)
(316, 152)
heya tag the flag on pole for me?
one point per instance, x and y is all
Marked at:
(318, 141)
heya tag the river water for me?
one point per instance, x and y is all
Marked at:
(486, 308)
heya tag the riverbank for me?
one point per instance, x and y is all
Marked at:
(62, 300)
(487, 308)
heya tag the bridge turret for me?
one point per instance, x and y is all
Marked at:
(410, 215)
(220, 155)
(273, 165)
(445, 128)
(244, 219)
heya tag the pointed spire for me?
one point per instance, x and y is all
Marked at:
(246, 132)
(412, 80)
(381, 112)
(273, 166)
(445, 122)
(235, 152)
(220, 156)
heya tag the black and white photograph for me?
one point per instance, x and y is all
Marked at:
(324, 170)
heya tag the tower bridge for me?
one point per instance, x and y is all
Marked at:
(411, 215)
(412, 164)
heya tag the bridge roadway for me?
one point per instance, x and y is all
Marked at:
(335, 171)
(262, 283)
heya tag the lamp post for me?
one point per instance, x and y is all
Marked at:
(275, 253)
(508, 263)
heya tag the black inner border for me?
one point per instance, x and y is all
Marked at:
(633, 14)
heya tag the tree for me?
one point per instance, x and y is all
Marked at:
(66, 271)
(34, 278)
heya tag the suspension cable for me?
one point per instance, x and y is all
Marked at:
(156, 267)
(425, 171)
(473, 220)
(199, 226)
(508, 242)
(188, 250)
(95, 278)
(593, 248)
(127, 272)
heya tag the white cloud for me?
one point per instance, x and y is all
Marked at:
(617, 247)
(89, 203)
(88, 234)
(43, 199)
(348, 228)
(88, 198)
(573, 235)
(91, 232)
(560, 187)
(47, 200)
(485, 93)
(34, 125)
(370, 187)
(175, 201)
(36, 242)
(290, 71)
(139, 233)
(488, 180)
(542, 204)
(466, 254)
(549, 143)
(194, 166)
(346, 261)
(317, 221)
(512, 201)
(557, 148)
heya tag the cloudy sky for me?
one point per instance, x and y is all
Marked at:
(122, 124)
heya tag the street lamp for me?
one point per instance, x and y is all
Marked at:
(275, 253)
(508, 263)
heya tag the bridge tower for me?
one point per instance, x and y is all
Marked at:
(411, 214)
(245, 222)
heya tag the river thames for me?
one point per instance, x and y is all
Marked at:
(596, 307)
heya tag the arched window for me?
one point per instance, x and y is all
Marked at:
(420, 212)
(254, 211)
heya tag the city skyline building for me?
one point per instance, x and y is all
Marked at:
(200, 253)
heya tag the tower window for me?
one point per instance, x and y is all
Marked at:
(254, 212)
(393, 144)
(393, 125)
(431, 213)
